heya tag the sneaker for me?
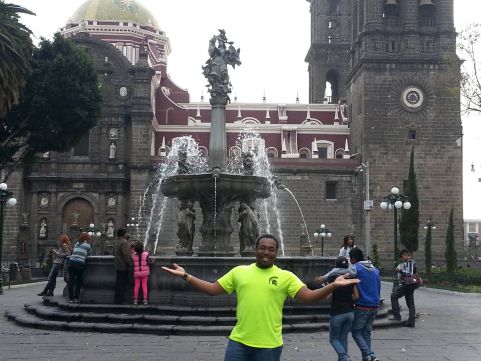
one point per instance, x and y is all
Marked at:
(374, 358)
(408, 324)
(146, 302)
(76, 301)
(136, 302)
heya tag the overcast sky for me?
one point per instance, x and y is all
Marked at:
(274, 38)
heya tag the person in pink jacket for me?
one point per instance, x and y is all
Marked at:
(141, 272)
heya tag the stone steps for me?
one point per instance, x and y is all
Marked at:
(56, 314)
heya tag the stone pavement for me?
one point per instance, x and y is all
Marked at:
(448, 329)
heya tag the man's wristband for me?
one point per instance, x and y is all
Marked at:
(186, 277)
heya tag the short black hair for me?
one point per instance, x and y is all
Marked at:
(269, 236)
(404, 251)
(121, 232)
(356, 254)
(342, 262)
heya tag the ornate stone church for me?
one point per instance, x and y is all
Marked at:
(383, 78)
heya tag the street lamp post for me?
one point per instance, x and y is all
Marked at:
(6, 198)
(133, 225)
(429, 227)
(395, 200)
(322, 232)
(92, 231)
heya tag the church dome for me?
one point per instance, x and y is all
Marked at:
(127, 10)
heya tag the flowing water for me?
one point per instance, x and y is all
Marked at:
(196, 163)
(302, 216)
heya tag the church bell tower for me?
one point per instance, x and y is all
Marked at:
(403, 93)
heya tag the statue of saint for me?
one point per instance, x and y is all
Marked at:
(249, 229)
(343, 110)
(112, 151)
(186, 225)
(110, 229)
(215, 69)
(42, 232)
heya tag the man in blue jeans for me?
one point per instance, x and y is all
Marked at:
(366, 307)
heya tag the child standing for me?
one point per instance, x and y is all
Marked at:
(141, 271)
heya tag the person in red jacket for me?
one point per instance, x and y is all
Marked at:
(141, 272)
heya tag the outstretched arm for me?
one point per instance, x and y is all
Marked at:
(309, 296)
(210, 288)
(351, 270)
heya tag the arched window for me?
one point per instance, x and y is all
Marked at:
(304, 153)
(250, 120)
(332, 78)
(271, 152)
(340, 153)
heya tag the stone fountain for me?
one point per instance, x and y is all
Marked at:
(217, 192)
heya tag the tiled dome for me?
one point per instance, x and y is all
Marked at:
(127, 10)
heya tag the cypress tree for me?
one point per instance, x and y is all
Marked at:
(409, 224)
(450, 254)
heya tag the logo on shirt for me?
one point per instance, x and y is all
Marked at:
(273, 280)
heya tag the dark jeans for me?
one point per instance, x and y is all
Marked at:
(406, 291)
(52, 276)
(237, 351)
(75, 274)
(121, 281)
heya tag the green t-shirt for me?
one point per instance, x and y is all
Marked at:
(260, 297)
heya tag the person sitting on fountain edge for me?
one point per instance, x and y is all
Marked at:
(261, 289)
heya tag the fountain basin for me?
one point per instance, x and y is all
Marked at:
(99, 278)
(233, 186)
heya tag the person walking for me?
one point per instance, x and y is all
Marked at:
(141, 272)
(59, 257)
(76, 265)
(407, 269)
(347, 246)
(341, 314)
(261, 289)
(365, 308)
(123, 265)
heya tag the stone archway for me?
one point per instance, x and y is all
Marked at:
(78, 212)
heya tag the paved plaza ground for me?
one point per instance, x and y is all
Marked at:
(449, 329)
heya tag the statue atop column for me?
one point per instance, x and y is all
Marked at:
(222, 53)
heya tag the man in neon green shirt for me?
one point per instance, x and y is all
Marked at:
(261, 289)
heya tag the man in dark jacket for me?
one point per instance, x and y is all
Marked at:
(123, 265)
